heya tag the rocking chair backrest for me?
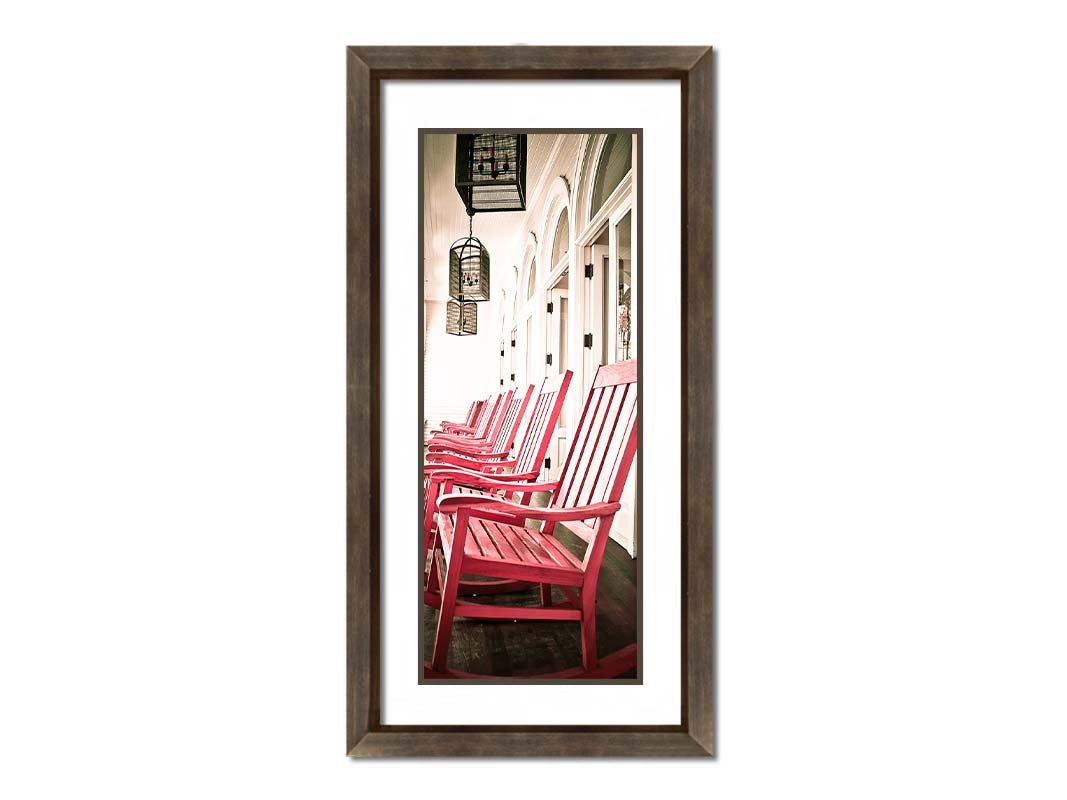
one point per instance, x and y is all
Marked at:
(481, 412)
(542, 424)
(496, 420)
(488, 412)
(472, 414)
(516, 408)
(484, 411)
(604, 443)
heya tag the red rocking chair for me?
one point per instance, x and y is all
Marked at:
(487, 431)
(472, 414)
(482, 415)
(526, 466)
(471, 446)
(483, 534)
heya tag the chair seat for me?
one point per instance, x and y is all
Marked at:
(500, 550)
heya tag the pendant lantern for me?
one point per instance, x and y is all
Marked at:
(491, 171)
(468, 270)
(461, 318)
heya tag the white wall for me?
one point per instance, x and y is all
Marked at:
(892, 278)
(457, 368)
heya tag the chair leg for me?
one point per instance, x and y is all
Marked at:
(427, 520)
(546, 594)
(432, 580)
(589, 659)
(441, 641)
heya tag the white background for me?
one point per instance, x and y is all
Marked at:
(652, 106)
(892, 522)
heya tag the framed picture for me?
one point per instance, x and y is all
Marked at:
(530, 401)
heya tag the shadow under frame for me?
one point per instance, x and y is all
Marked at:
(693, 68)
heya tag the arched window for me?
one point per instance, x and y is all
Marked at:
(531, 281)
(562, 240)
(515, 297)
(615, 161)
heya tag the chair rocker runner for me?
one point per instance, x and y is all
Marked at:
(485, 535)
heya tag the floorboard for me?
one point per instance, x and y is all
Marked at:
(530, 647)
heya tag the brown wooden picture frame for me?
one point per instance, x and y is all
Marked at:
(367, 67)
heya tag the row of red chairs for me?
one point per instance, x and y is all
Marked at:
(478, 500)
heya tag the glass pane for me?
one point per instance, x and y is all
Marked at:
(562, 349)
(515, 296)
(561, 241)
(531, 282)
(514, 337)
(607, 324)
(614, 164)
(622, 333)
(530, 356)
(562, 335)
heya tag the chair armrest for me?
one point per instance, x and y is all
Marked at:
(453, 435)
(466, 441)
(444, 460)
(452, 422)
(448, 503)
(510, 482)
(453, 426)
(453, 471)
(445, 443)
(457, 452)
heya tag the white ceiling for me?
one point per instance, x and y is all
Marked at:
(445, 219)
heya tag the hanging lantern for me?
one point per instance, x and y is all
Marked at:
(468, 270)
(491, 171)
(461, 318)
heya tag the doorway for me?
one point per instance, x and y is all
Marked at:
(556, 346)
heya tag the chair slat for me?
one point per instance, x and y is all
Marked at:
(531, 552)
(551, 552)
(605, 440)
(497, 422)
(511, 549)
(591, 438)
(542, 425)
(612, 450)
(578, 447)
(472, 413)
(599, 450)
(482, 539)
(533, 433)
(511, 423)
(487, 419)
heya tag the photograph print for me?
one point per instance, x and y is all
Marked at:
(529, 558)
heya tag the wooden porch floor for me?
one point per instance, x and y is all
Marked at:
(530, 647)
